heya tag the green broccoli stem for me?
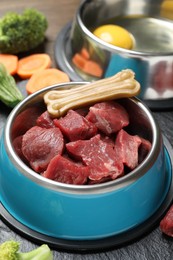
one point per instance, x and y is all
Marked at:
(9, 250)
(41, 253)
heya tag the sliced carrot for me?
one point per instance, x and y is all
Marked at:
(79, 61)
(10, 62)
(45, 78)
(82, 61)
(31, 64)
(84, 52)
(93, 68)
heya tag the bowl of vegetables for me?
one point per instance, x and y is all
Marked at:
(108, 36)
(83, 172)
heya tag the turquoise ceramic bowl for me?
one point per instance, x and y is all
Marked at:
(79, 212)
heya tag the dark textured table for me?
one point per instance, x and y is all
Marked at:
(152, 245)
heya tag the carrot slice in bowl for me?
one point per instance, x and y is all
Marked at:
(79, 61)
(10, 62)
(93, 68)
(29, 65)
(45, 78)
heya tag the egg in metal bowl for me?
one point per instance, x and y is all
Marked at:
(115, 35)
(84, 212)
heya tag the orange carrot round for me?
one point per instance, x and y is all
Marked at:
(10, 62)
(31, 64)
(88, 66)
(85, 53)
(45, 78)
(93, 68)
(79, 60)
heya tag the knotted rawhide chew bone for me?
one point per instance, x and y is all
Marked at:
(121, 85)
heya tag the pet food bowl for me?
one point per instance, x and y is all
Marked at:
(151, 58)
(83, 212)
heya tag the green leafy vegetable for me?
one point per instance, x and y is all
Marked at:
(10, 95)
(9, 250)
(22, 32)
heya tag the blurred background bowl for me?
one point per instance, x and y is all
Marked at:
(84, 212)
(151, 58)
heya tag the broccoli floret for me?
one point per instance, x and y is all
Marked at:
(22, 32)
(9, 250)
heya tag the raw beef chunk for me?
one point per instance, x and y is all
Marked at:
(86, 146)
(25, 120)
(106, 179)
(126, 146)
(166, 224)
(40, 145)
(144, 149)
(64, 170)
(75, 127)
(82, 111)
(99, 156)
(17, 144)
(108, 140)
(45, 120)
(109, 117)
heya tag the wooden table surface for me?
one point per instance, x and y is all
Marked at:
(152, 245)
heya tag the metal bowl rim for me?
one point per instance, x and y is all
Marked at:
(110, 47)
(110, 186)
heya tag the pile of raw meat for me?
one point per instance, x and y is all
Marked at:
(86, 146)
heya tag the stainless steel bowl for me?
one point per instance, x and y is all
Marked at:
(83, 212)
(150, 22)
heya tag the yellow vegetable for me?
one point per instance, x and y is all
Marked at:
(115, 35)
